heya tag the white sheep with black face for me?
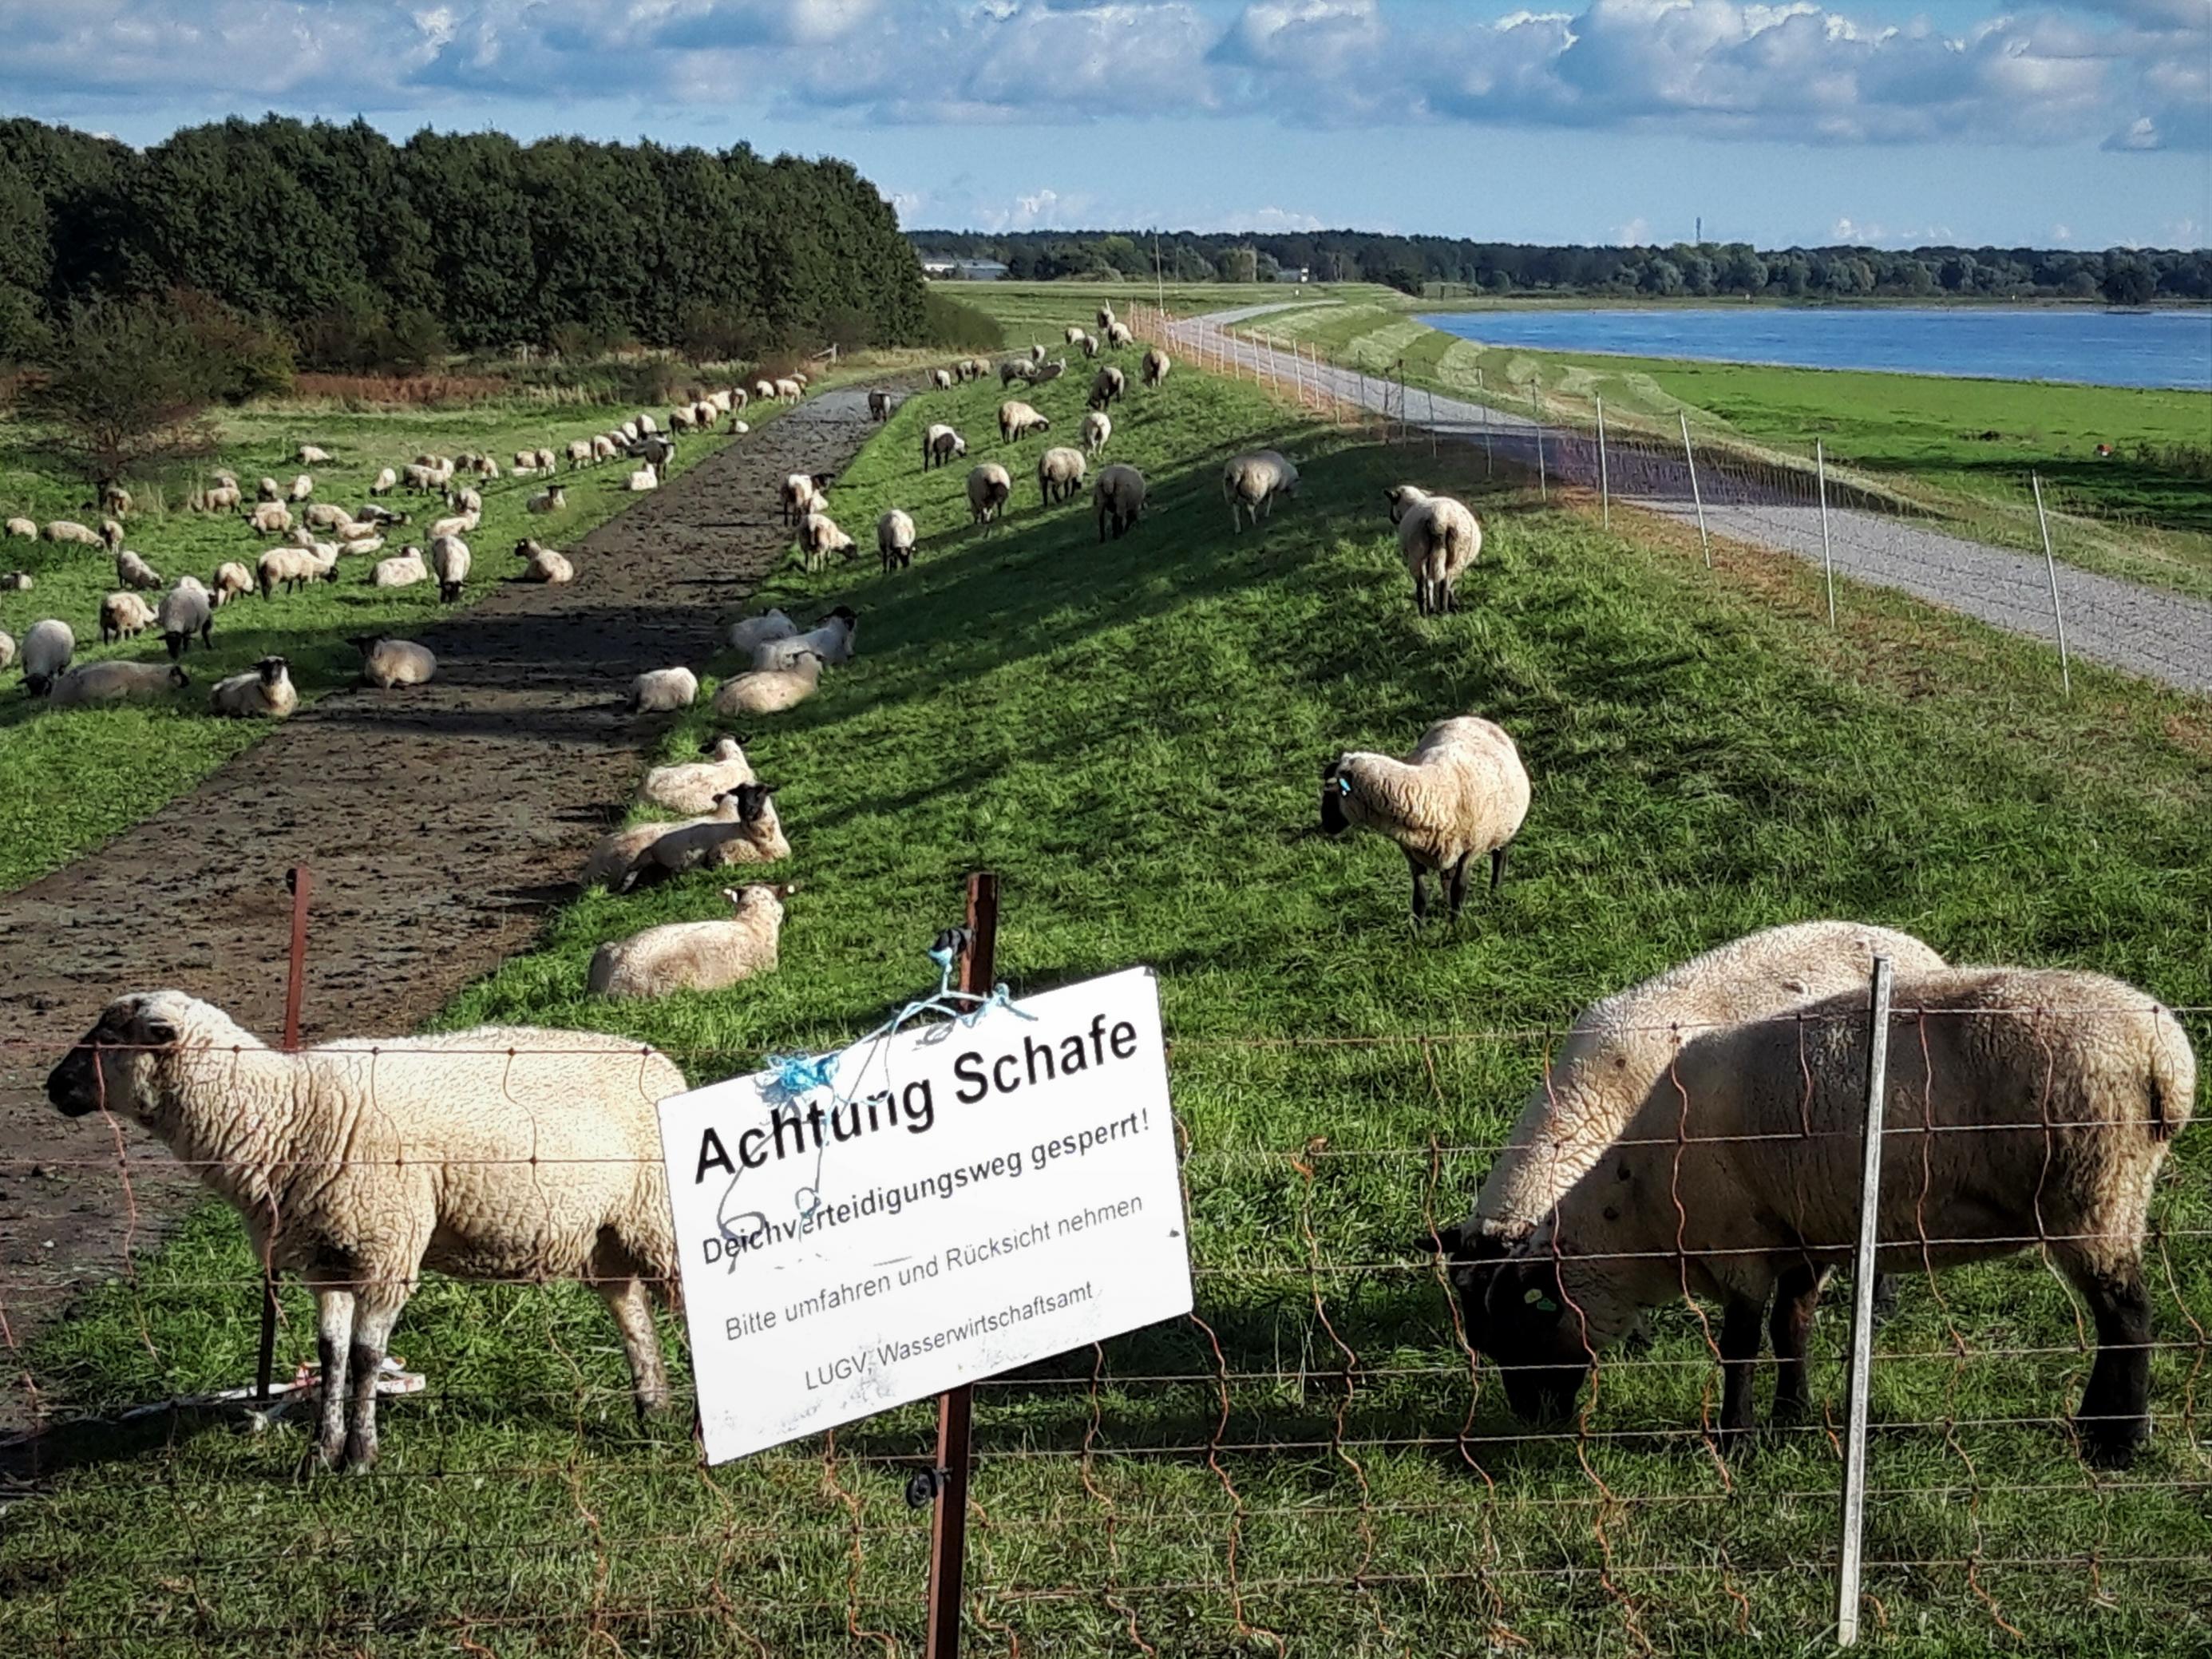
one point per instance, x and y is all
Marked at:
(1460, 795)
(267, 693)
(1252, 483)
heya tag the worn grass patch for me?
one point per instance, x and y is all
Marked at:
(1130, 733)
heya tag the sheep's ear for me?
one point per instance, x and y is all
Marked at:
(157, 1034)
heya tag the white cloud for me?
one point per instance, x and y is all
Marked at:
(1637, 233)
(2062, 234)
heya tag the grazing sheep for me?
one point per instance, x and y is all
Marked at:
(1097, 428)
(1073, 334)
(660, 691)
(467, 501)
(269, 491)
(546, 461)
(47, 649)
(941, 446)
(302, 487)
(1060, 474)
(404, 570)
(186, 609)
(114, 500)
(693, 786)
(832, 639)
(111, 535)
(789, 389)
(759, 630)
(802, 493)
(895, 540)
(326, 515)
(975, 369)
(1251, 481)
(544, 565)
(387, 662)
(553, 499)
(580, 454)
(605, 447)
(679, 420)
(941, 379)
(734, 399)
(232, 581)
(290, 567)
(1119, 336)
(114, 682)
(1108, 383)
(498, 1152)
(769, 691)
(989, 488)
(1462, 794)
(22, 530)
(764, 389)
(819, 537)
(1154, 368)
(308, 455)
(879, 405)
(1012, 369)
(387, 482)
(1090, 344)
(271, 518)
(223, 498)
(1105, 315)
(123, 617)
(449, 563)
(1018, 420)
(1117, 499)
(643, 479)
(1440, 540)
(2042, 1104)
(7, 648)
(267, 693)
(68, 533)
(134, 573)
(743, 829)
(526, 460)
(695, 956)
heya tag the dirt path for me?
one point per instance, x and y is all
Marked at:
(439, 824)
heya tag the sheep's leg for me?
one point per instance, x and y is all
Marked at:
(333, 1336)
(2115, 1415)
(1789, 1327)
(1497, 867)
(1739, 1346)
(375, 1312)
(627, 1301)
(1420, 889)
(1457, 885)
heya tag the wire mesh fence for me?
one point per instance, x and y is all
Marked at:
(1321, 1458)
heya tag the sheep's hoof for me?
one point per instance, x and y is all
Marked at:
(320, 1454)
(2112, 1445)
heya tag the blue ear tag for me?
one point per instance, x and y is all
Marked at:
(1344, 786)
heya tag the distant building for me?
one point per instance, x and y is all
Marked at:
(1294, 273)
(950, 268)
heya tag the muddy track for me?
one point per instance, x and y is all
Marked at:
(440, 823)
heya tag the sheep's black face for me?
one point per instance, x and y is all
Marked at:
(1535, 1336)
(91, 1075)
(752, 801)
(1333, 819)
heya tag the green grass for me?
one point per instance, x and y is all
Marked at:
(71, 779)
(1129, 733)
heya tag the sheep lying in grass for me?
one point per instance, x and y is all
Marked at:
(17, 582)
(386, 663)
(1097, 428)
(990, 487)
(543, 564)
(1117, 499)
(123, 617)
(754, 631)
(694, 785)
(404, 570)
(1250, 484)
(894, 541)
(1461, 794)
(553, 499)
(2043, 1104)
(186, 609)
(266, 693)
(1441, 541)
(114, 682)
(1060, 475)
(769, 691)
(662, 690)
(696, 956)
(743, 829)
(832, 639)
(941, 446)
(47, 649)
(500, 1152)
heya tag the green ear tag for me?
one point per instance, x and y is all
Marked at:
(1541, 1302)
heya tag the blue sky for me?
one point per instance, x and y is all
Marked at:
(2087, 122)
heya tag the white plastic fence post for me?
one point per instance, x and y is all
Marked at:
(1482, 402)
(1604, 478)
(2050, 565)
(1696, 495)
(1431, 391)
(1536, 407)
(1827, 558)
(1863, 1277)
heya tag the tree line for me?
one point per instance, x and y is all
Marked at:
(352, 252)
(1443, 265)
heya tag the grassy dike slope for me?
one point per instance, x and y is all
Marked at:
(1130, 733)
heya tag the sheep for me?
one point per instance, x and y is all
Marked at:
(113, 682)
(789, 389)
(1073, 334)
(1108, 383)
(526, 460)
(449, 563)
(134, 573)
(660, 691)
(124, 616)
(544, 565)
(404, 570)
(764, 389)
(879, 405)
(546, 461)
(388, 662)
(22, 530)
(1119, 334)
(68, 532)
(743, 829)
(1018, 420)
(819, 537)
(186, 609)
(646, 428)
(679, 420)
(232, 580)
(895, 540)
(467, 501)
(941, 379)
(989, 488)
(309, 455)
(1154, 368)
(111, 535)
(326, 515)
(1090, 344)
(7, 648)
(290, 567)
(832, 639)
(1046, 373)
(456, 524)
(47, 649)
(302, 487)
(604, 447)
(1251, 481)
(423, 480)
(270, 518)
(269, 491)
(693, 786)
(580, 454)
(223, 498)
(641, 480)
(375, 512)
(772, 691)
(941, 446)
(2043, 1101)
(695, 956)
(545, 1147)
(386, 481)
(975, 369)
(1097, 428)
(1106, 313)
(552, 500)
(734, 399)
(17, 582)
(757, 630)
(114, 500)
(1461, 794)
(1060, 474)
(1012, 369)
(1117, 499)
(1440, 540)
(486, 467)
(267, 693)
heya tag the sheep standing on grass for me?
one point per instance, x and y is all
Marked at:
(941, 379)
(7, 648)
(941, 446)
(67, 532)
(1153, 369)
(1017, 420)
(1108, 383)
(266, 693)
(693, 786)
(2044, 1100)
(696, 956)
(820, 538)
(124, 616)
(802, 493)
(22, 530)
(1117, 499)
(115, 682)
(232, 580)
(1460, 795)
(894, 541)
(114, 500)
(1097, 428)
(386, 663)
(449, 563)
(664, 691)
(498, 1152)
(769, 691)
(47, 649)
(989, 488)
(186, 609)
(1440, 540)
(111, 535)
(1250, 484)
(1119, 336)
(1060, 475)
(271, 518)
(17, 582)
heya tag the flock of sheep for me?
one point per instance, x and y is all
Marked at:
(1695, 1132)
